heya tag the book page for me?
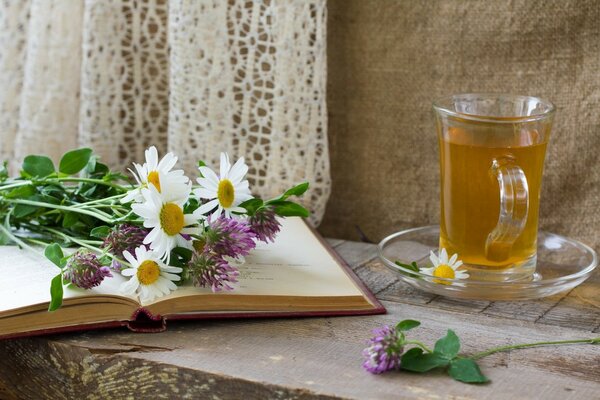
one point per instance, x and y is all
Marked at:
(25, 280)
(297, 264)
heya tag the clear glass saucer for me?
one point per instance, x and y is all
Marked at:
(562, 264)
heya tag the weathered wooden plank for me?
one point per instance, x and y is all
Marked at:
(469, 306)
(376, 276)
(402, 292)
(295, 358)
(531, 310)
(5, 393)
(334, 242)
(581, 309)
(357, 253)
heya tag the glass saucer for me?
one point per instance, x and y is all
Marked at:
(562, 264)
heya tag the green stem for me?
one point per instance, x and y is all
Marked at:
(104, 200)
(18, 241)
(15, 185)
(91, 180)
(99, 215)
(525, 345)
(84, 243)
(420, 344)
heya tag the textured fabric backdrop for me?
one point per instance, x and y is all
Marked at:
(388, 60)
(196, 77)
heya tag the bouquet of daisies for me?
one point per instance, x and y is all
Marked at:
(160, 232)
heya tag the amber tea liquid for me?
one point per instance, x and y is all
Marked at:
(470, 193)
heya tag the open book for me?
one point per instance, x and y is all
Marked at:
(298, 275)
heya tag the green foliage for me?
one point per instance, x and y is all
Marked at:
(448, 346)
(38, 166)
(100, 231)
(280, 205)
(74, 161)
(466, 370)
(410, 267)
(56, 293)
(416, 361)
(55, 254)
(407, 325)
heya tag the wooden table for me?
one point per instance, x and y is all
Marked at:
(319, 357)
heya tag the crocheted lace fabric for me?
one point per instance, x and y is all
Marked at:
(196, 77)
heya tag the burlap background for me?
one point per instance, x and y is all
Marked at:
(389, 59)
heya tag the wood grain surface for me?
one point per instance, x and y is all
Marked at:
(319, 357)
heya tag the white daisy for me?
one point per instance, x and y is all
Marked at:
(157, 173)
(445, 268)
(150, 277)
(164, 214)
(226, 191)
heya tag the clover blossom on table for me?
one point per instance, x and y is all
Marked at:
(85, 271)
(383, 351)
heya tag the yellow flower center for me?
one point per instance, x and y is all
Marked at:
(225, 193)
(154, 179)
(443, 271)
(148, 272)
(171, 218)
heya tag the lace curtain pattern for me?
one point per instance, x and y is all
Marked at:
(196, 77)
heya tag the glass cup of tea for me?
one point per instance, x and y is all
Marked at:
(492, 150)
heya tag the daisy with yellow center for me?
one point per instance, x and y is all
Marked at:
(155, 173)
(226, 191)
(163, 213)
(150, 277)
(445, 268)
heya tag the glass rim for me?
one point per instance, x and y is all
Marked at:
(440, 105)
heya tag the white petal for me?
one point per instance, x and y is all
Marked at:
(170, 276)
(452, 259)
(130, 258)
(237, 172)
(427, 271)
(434, 260)
(152, 158)
(140, 253)
(169, 268)
(167, 162)
(224, 166)
(129, 287)
(129, 271)
(205, 193)
(209, 174)
(208, 184)
(204, 208)
(443, 256)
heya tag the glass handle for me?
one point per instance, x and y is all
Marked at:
(514, 207)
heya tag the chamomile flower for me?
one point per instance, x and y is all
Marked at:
(150, 277)
(163, 213)
(445, 268)
(155, 173)
(226, 191)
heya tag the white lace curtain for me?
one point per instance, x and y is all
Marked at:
(196, 77)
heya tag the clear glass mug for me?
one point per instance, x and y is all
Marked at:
(492, 150)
